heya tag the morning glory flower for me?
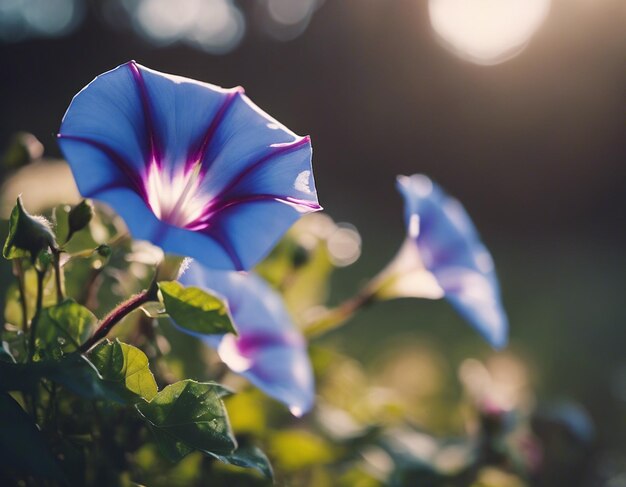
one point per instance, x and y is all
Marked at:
(443, 256)
(269, 351)
(196, 169)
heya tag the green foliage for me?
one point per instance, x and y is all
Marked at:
(28, 234)
(124, 370)
(158, 473)
(62, 328)
(249, 457)
(73, 371)
(196, 310)
(13, 307)
(22, 446)
(298, 449)
(77, 229)
(99, 418)
(188, 416)
(300, 266)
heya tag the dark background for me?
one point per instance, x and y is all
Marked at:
(534, 147)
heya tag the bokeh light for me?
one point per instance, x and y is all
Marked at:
(487, 31)
(285, 19)
(215, 26)
(22, 19)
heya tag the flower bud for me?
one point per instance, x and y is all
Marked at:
(79, 217)
(28, 234)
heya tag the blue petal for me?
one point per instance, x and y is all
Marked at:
(184, 114)
(245, 136)
(250, 228)
(474, 296)
(98, 168)
(452, 251)
(108, 112)
(270, 351)
(285, 172)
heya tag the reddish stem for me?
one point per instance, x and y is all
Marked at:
(115, 316)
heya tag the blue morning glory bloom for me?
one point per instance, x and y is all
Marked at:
(443, 256)
(269, 351)
(196, 169)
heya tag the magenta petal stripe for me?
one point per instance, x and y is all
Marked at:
(133, 179)
(200, 153)
(155, 152)
(275, 151)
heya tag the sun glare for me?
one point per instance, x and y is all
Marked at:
(487, 31)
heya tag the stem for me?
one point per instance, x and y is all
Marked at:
(121, 311)
(33, 324)
(51, 411)
(90, 289)
(58, 274)
(337, 316)
(18, 271)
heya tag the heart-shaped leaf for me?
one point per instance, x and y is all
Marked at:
(188, 416)
(62, 328)
(196, 310)
(249, 457)
(124, 370)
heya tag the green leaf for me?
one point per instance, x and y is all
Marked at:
(62, 328)
(196, 310)
(249, 457)
(246, 457)
(124, 370)
(188, 416)
(28, 234)
(79, 217)
(154, 309)
(74, 372)
(22, 448)
(171, 448)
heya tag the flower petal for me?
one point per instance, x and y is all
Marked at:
(245, 136)
(250, 227)
(450, 248)
(285, 172)
(269, 351)
(475, 298)
(97, 167)
(183, 113)
(108, 113)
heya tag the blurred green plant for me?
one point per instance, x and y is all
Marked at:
(154, 407)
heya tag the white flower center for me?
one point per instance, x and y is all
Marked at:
(176, 198)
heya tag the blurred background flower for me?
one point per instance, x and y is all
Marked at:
(268, 349)
(443, 256)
